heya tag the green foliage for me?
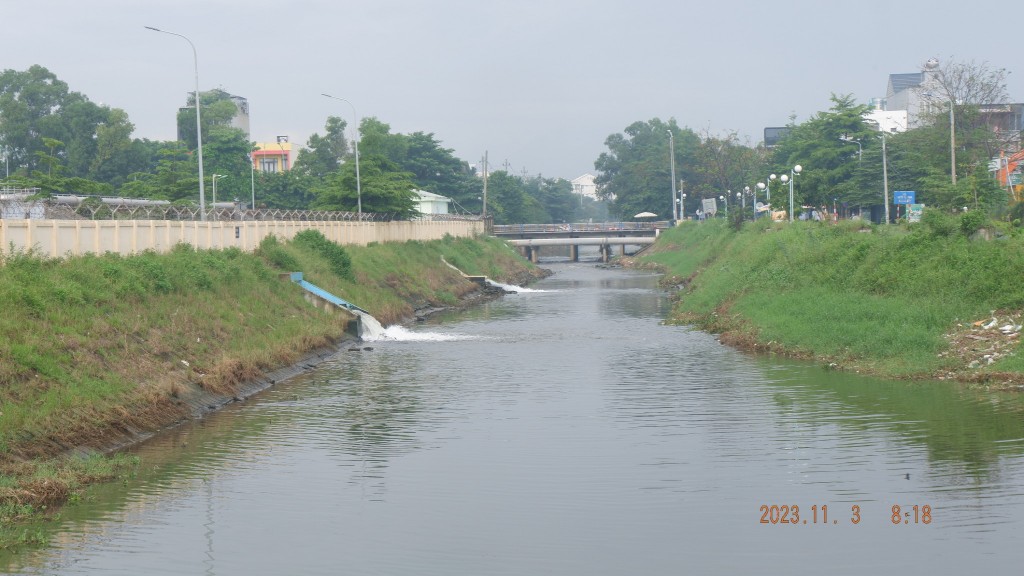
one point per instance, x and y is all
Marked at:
(971, 222)
(884, 297)
(275, 253)
(635, 173)
(938, 222)
(336, 256)
(384, 189)
(826, 147)
(218, 110)
(323, 154)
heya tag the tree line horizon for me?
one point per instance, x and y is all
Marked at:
(58, 141)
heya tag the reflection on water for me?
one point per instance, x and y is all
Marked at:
(565, 431)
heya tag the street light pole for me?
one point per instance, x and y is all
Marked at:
(789, 178)
(885, 179)
(952, 142)
(215, 176)
(252, 177)
(672, 163)
(199, 124)
(355, 144)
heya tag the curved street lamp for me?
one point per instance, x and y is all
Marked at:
(199, 125)
(355, 143)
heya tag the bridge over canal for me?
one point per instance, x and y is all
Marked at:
(529, 238)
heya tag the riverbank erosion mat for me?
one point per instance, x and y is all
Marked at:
(921, 301)
(100, 351)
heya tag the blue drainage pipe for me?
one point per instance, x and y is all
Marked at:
(314, 289)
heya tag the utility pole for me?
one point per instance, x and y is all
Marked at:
(484, 212)
(885, 179)
(672, 163)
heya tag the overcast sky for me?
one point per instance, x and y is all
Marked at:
(539, 84)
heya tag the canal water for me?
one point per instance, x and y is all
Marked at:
(564, 430)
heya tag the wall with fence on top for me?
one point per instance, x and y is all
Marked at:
(58, 238)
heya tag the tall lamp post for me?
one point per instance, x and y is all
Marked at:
(355, 144)
(789, 178)
(743, 200)
(215, 176)
(952, 142)
(672, 163)
(199, 125)
(252, 178)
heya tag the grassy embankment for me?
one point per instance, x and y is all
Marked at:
(894, 301)
(96, 348)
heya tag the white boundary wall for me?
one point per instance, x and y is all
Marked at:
(58, 238)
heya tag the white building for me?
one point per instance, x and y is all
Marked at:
(584, 185)
(430, 203)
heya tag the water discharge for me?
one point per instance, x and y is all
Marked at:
(513, 289)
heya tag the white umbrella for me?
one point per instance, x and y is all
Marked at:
(645, 215)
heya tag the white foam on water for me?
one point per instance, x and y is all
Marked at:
(514, 288)
(403, 334)
(370, 330)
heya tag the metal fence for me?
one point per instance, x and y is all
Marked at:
(62, 207)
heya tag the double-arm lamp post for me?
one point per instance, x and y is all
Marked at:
(767, 187)
(788, 178)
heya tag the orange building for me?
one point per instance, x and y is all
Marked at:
(273, 156)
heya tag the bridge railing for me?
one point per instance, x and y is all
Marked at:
(563, 228)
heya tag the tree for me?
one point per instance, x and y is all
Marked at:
(965, 93)
(721, 165)
(219, 109)
(324, 154)
(825, 147)
(555, 196)
(226, 152)
(289, 189)
(114, 152)
(34, 105)
(385, 189)
(635, 174)
(509, 203)
(173, 176)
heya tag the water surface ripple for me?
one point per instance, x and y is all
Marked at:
(565, 431)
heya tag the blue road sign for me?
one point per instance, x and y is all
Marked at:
(903, 197)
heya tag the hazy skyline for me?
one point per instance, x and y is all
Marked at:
(539, 84)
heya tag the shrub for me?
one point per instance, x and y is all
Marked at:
(272, 251)
(336, 256)
(938, 222)
(971, 222)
